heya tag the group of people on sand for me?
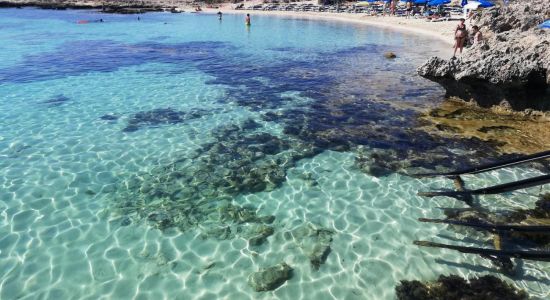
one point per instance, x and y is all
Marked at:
(462, 35)
(390, 7)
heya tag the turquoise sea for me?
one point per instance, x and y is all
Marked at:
(170, 157)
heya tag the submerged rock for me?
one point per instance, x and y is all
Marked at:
(160, 116)
(109, 117)
(56, 100)
(454, 287)
(542, 208)
(197, 192)
(507, 239)
(314, 242)
(270, 278)
(379, 163)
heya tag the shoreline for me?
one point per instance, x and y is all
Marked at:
(412, 26)
(442, 31)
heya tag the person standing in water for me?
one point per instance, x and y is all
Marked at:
(220, 15)
(247, 20)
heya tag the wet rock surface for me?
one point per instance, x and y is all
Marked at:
(539, 215)
(454, 287)
(508, 130)
(397, 143)
(512, 62)
(270, 278)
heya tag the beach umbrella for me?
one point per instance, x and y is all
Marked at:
(478, 3)
(363, 3)
(485, 3)
(472, 5)
(420, 1)
(464, 2)
(438, 2)
(545, 24)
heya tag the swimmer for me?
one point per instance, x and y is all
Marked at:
(88, 21)
(247, 20)
(220, 15)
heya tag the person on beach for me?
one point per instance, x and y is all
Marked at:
(386, 7)
(247, 20)
(392, 7)
(478, 37)
(409, 9)
(460, 36)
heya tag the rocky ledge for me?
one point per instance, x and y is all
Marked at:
(106, 6)
(513, 61)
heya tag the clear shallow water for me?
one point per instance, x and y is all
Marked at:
(79, 219)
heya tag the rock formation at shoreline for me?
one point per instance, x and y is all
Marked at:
(107, 6)
(454, 287)
(512, 62)
(510, 131)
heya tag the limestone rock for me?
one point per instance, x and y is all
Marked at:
(515, 52)
(270, 278)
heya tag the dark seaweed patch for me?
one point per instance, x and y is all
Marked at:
(344, 111)
(76, 58)
(109, 117)
(160, 116)
(196, 191)
(455, 287)
(56, 101)
(343, 115)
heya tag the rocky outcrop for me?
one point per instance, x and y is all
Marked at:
(515, 53)
(106, 6)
